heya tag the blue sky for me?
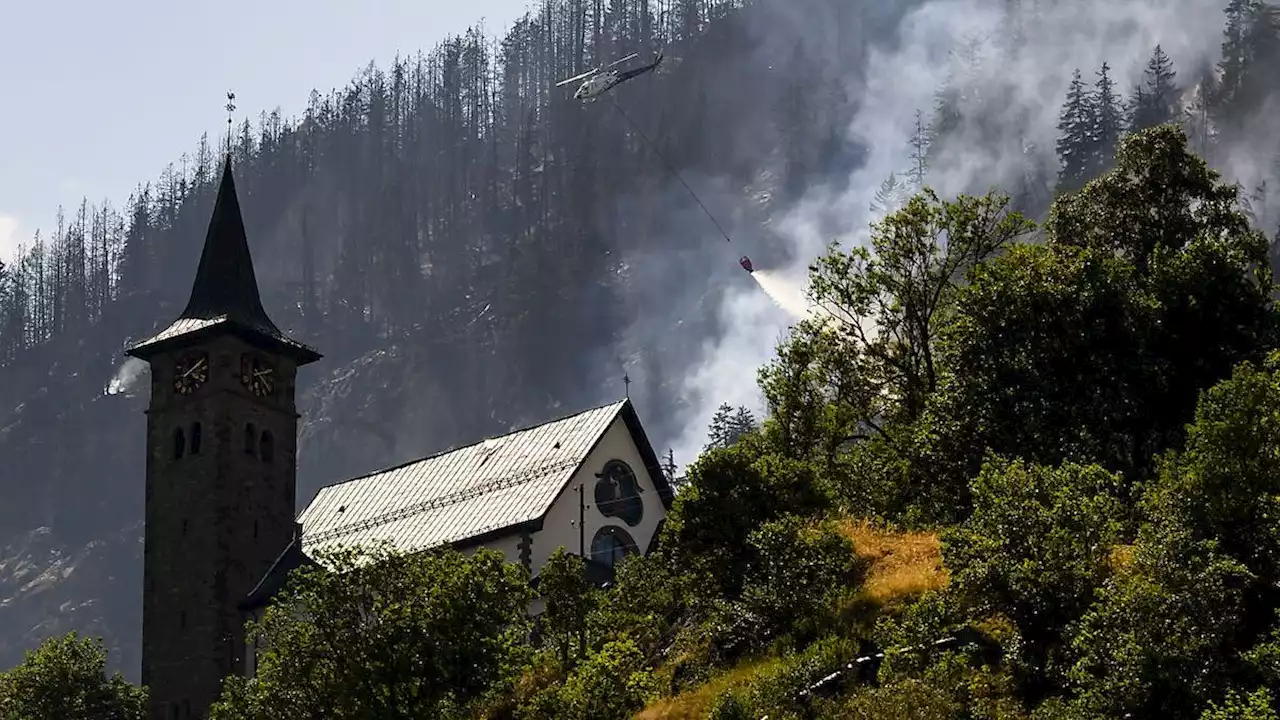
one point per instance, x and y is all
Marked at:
(96, 97)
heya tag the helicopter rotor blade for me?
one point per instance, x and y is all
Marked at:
(576, 78)
(632, 56)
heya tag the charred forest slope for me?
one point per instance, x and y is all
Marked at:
(470, 249)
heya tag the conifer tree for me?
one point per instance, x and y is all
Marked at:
(1108, 122)
(1154, 101)
(7, 341)
(893, 194)
(728, 424)
(1197, 116)
(919, 152)
(743, 422)
(718, 430)
(1250, 53)
(1235, 51)
(1074, 136)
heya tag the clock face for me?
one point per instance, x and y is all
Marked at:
(257, 375)
(190, 372)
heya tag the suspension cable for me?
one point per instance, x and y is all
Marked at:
(671, 169)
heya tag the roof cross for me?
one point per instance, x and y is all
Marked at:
(231, 108)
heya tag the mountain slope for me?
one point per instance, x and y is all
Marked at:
(469, 250)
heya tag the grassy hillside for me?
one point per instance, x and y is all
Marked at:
(901, 566)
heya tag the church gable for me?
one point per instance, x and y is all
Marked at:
(490, 489)
(625, 494)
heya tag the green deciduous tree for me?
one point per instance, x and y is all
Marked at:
(1035, 550)
(1094, 346)
(1225, 486)
(66, 679)
(612, 684)
(1259, 705)
(1157, 642)
(564, 587)
(796, 569)
(872, 358)
(381, 634)
(847, 387)
(730, 493)
(1193, 616)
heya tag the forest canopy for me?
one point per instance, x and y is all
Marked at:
(1060, 450)
(1103, 492)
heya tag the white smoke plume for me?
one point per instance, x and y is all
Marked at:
(126, 377)
(902, 75)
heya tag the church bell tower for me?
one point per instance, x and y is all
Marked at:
(221, 470)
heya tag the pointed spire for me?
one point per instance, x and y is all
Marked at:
(225, 292)
(225, 284)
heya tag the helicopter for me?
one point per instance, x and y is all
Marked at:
(602, 79)
(597, 81)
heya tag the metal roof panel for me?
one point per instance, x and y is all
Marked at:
(449, 497)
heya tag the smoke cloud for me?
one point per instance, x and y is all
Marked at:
(902, 73)
(126, 377)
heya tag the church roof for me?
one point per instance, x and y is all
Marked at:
(470, 493)
(274, 581)
(224, 296)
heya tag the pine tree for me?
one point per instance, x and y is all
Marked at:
(1155, 99)
(7, 343)
(670, 469)
(1197, 116)
(729, 424)
(1074, 136)
(719, 429)
(743, 422)
(1250, 53)
(1108, 122)
(891, 196)
(1235, 49)
(959, 97)
(1254, 203)
(919, 153)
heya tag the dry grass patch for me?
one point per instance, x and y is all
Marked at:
(903, 565)
(696, 703)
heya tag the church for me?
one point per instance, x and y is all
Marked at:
(221, 482)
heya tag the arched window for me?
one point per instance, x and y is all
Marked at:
(617, 493)
(267, 447)
(611, 544)
(179, 443)
(195, 438)
(250, 439)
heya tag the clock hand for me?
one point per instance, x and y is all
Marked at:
(196, 366)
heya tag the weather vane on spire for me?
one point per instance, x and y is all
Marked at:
(626, 381)
(231, 108)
